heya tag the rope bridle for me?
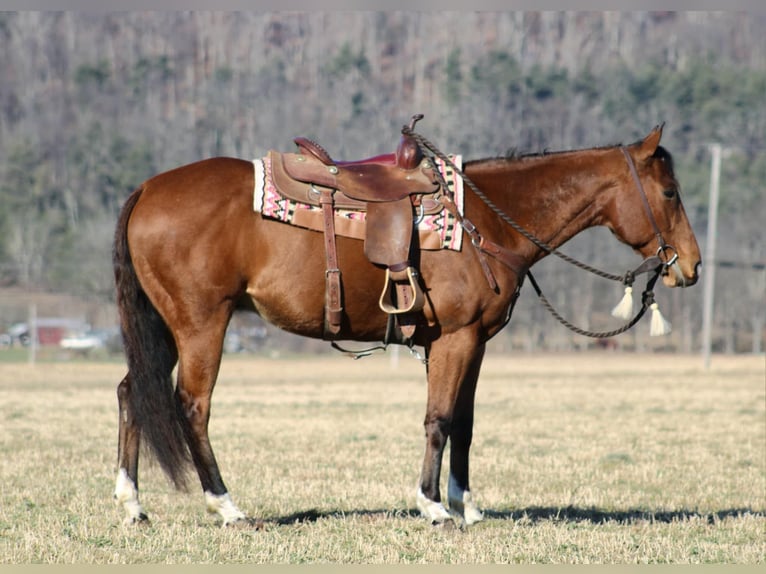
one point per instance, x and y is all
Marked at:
(654, 265)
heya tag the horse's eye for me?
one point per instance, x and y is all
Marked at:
(669, 193)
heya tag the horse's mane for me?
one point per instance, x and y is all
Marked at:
(513, 155)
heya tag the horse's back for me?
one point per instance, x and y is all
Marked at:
(189, 202)
(206, 183)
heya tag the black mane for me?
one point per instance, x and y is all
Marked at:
(513, 154)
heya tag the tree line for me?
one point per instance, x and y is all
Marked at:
(92, 104)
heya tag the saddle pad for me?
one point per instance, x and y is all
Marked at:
(437, 231)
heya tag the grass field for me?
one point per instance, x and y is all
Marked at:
(600, 458)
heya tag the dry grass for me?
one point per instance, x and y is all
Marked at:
(584, 458)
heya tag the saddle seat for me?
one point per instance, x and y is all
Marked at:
(307, 146)
(383, 178)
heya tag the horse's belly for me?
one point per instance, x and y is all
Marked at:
(293, 299)
(288, 316)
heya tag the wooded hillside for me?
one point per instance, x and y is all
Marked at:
(92, 104)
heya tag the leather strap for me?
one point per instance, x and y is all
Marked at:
(470, 229)
(333, 309)
(514, 262)
(644, 199)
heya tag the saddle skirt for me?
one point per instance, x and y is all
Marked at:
(437, 228)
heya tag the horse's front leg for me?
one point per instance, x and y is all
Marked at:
(461, 434)
(453, 363)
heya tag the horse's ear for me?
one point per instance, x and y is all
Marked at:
(651, 142)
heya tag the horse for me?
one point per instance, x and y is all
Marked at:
(189, 250)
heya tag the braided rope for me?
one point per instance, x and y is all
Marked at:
(647, 300)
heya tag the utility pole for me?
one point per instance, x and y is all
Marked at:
(709, 264)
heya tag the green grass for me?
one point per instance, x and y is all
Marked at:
(601, 458)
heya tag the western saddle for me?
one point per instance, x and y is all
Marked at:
(391, 188)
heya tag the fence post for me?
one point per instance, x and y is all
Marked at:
(709, 264)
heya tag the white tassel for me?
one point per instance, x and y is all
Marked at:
(659, 325)
(624, 309)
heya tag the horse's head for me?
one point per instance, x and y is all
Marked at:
(645, 219)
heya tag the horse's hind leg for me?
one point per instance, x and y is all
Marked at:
(126, 489)
(199, 361)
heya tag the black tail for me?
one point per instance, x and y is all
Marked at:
(151, 354)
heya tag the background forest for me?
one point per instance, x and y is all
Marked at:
(92, 104)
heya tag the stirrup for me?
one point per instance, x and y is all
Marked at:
(409, 294)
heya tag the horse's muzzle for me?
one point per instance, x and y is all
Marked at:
(674, 275)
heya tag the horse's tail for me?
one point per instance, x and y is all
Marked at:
(151, 354)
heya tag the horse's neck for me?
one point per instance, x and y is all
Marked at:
(554, 197)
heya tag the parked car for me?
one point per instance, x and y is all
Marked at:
(82, 342)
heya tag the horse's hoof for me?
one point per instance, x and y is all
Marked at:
(432, 510)
(466, 512)
(461, 504)
(472, 515)
(246, 524)
(139, 520)
(454, 523)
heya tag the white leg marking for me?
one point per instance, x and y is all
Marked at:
(461, 502)
(125, 492)
(433, 511)
(223, 505)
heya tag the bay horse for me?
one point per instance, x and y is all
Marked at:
(189, 250)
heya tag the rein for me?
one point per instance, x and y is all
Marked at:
(651, 264)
